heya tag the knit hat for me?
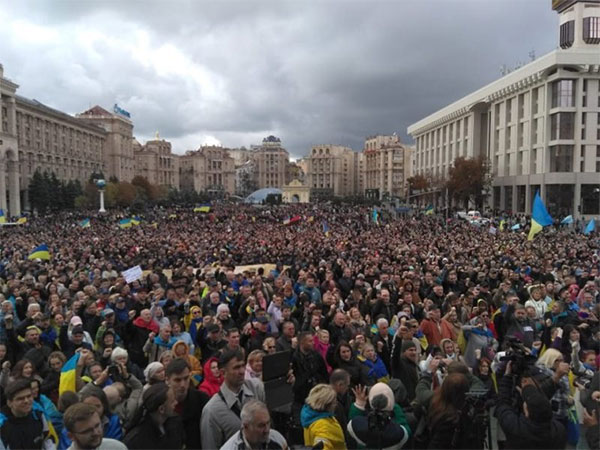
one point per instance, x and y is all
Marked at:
(406, 345)
(151, 369)
(76, 320)
(538, 405)
(381, 389)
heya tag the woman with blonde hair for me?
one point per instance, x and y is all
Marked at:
(318, 419)
(254, 365)
(552, 366)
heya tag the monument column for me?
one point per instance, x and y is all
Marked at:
(3, 186)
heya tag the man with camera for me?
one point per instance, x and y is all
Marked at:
(533, 426)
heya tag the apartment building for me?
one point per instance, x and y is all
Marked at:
(156, 162)
(387, 166)
(331, 170)
(209, 169)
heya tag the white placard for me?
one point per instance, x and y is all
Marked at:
(135, 273)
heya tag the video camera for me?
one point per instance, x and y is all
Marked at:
(523, 363)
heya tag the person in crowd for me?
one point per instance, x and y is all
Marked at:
(318, 419)
(345, 358)
(256, 430)
(406, 368)
(221, 415)
(84, 429)
(535, 426)
(22, 426)
(190, 402)
(254, 365)
(308, 367)
(181, 350)
(376, 370)
(154, 373)
(213, 378)
(156, 425)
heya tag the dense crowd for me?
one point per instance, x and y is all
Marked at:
(404, 332)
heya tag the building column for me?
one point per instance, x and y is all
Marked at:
(577, 200)
(12, 116)
(3, 187)
(14, 188)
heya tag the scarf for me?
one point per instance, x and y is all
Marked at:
(150, 326)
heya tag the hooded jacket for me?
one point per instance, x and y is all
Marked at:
(321, 426)
(195, 366)
(210, 384)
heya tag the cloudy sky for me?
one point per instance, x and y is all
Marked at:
(233, 72)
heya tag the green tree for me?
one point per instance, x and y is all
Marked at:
(38, 194)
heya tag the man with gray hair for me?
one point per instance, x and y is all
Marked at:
(256, 432)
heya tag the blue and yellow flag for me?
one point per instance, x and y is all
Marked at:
(135, 220)
(125, 223)
(85, 223)
(326, 228)
(202, 209)
(539, 217)
(68, 376)
(429, 210)
(2, 216)
(591, 226)
(40, 252)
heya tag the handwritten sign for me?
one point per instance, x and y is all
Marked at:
(133, 274)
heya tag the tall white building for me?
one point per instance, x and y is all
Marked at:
(538, 126)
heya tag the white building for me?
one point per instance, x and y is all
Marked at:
(538, 126)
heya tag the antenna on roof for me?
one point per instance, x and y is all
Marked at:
(532, 55)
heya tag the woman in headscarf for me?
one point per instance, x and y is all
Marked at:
(181, 350)
(154, 373)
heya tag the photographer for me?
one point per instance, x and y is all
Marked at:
(383, 425)
(534, 427)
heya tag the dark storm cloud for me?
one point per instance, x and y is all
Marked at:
(310, 72)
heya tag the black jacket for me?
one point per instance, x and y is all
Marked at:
(521, 432)
(190, 414)
(309, 370)
(146, 435)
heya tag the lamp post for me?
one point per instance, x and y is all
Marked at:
(101, 184)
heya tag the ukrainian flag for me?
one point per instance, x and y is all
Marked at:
(125, 223)
(68, 376)
(135, 220)
(429, 210)
(40, 252)
(85, 223)
(202, 209)
(539, 217)
(2, 216)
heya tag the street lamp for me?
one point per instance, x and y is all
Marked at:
(101, 184)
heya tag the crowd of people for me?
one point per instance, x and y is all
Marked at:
(404, 332)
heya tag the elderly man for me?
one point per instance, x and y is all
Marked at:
(256, 432)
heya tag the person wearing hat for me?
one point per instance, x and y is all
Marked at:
(73, 340)
(533, 427)
(155, 425)
(404, 366)
(259, 333)
(380, 425)
(109, 321)
(210, 340)
(435, 328)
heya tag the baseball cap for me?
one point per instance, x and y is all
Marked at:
(107, 312)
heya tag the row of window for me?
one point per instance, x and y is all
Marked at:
(591, 32)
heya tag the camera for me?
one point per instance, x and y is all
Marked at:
(523, 363)
(114, 371)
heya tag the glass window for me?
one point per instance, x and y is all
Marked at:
(521, 198)
(562, 126)
(591, 30)
(561, 158)
(590, 198)
(563, 93)
(567, 34)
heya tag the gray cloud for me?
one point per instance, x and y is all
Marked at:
(310, 72)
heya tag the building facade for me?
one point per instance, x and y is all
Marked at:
(209, 169)
(332, 171)
(156, 162)
(271, 163)
(387, 166)
(538, 126)
(119, 160)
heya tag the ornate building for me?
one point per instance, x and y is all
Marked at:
(332, 171)
(156, 162)
(271, 163)
(209, 169)
(387, 166)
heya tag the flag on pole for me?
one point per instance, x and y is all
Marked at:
(539, 217)
(135, 220)
(429, 210)
(516, 226)
(2, 216)
(502, 224)
(85, 223)
(40, 252)
(202, 209)
(567, 220)
(591, 226)
(68, 375)
(124, 223)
